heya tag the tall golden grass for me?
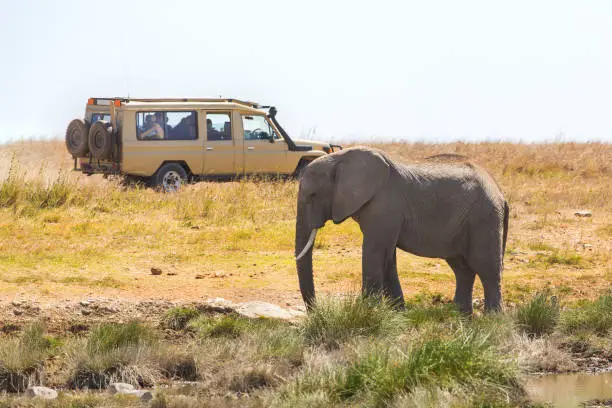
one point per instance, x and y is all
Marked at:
(62, 233)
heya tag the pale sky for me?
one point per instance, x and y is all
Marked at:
(349, 70)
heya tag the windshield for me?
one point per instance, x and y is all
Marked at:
(258, 128)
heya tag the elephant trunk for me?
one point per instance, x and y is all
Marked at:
(304, 239)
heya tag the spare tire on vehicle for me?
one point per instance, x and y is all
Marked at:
(100, 141)
(77, 138)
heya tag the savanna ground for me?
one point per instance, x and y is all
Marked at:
(64, 236)
(68, 236)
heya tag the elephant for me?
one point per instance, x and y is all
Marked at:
(452, 210)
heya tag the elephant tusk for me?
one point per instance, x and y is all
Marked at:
(311, 239)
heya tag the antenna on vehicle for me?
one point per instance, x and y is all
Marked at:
(126, 70)
(127, 78)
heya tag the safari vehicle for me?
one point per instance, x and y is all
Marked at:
(170, 141)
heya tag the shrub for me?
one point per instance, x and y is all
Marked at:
(561, 258)
(116, 352)
(591, 316)
(539, 316)
(39, 194)
(224, 326)
(176, 363)
(465, 359)
(418, 314)
(336, 320)
(178, 317)
(11, 187)
(500, 328)
(21, 360)
(282, 342)
(111, 336)
(52, 195)
(379, 373)
(253, 378)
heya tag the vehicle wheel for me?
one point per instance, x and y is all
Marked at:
(77, 138)
(170, 177)
(300, 169)
(100, 141)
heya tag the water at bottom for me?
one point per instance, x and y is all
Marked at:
(569, 390)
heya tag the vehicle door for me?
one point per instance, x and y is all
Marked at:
(162, 136)
(220, 144)
(265, 152)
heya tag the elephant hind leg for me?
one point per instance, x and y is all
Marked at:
(464, 276)
(486, 259)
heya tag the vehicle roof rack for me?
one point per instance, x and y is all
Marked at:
(106, 101)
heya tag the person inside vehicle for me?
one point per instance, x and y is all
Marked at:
(155, 131)
(213, 134)
(186, 129)
(148, 122)
(162, 120)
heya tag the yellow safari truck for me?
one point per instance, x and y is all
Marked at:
(170, 141)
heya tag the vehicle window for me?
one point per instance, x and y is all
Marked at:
(181, 125)
(166, 125)
(257, 128)
(105, 117)
(218, 126)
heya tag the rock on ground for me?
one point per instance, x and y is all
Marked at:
(121, 388)
(128, 389)
(253, 309)
(144, 395)
(257, 308)
(41, 392)
(583, 213)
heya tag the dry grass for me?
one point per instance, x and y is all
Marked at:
(427, 355)
(237, 237)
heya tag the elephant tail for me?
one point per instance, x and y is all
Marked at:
(505, 236)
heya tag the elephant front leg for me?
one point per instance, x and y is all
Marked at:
(372, 267)
(391, 283)
(380, 270)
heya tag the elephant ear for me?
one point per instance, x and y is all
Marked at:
(359, 175)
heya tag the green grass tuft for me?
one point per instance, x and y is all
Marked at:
(381, 372)
(335, 320)
(178, 317)
(111, 336)
(51, 195)
(21, 360)
(561, 258)
(11, 187)
(463, 359)
(116, 352)
(231, 326)
(592, 316)
(253, 378)
(419, 314)
(539, 316)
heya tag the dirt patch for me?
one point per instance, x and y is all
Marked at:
(77, 317)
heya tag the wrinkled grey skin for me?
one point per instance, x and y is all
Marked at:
(453, 211)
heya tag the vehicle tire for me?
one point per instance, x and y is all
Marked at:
(170, 177)
(299, 170)
(77, 138)
(100, 141)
